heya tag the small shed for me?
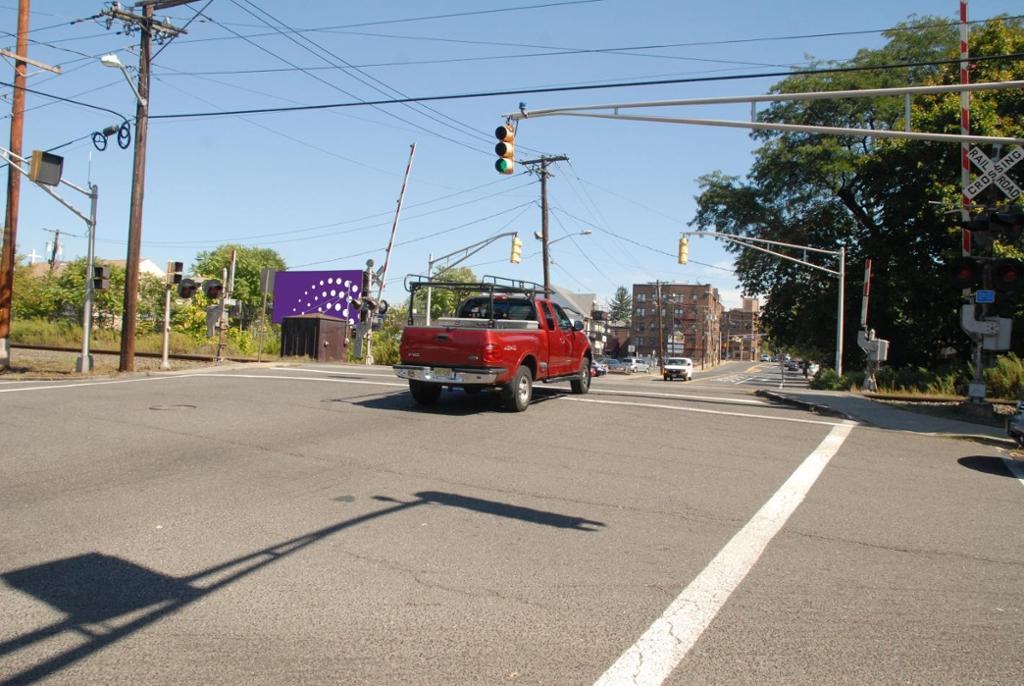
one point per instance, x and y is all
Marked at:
(319, 336)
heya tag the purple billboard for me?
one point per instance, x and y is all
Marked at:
(335, 293)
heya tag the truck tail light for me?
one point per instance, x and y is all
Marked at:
(491, 353)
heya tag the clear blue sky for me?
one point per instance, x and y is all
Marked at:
(320, 186)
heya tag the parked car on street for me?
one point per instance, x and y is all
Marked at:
(617, 367)
(598, 368)
(678, 368)
(637, 364)
(766, 358)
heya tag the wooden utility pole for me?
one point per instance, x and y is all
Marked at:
(7, 256)
(147, 27)
(544, 161)
(661, 329)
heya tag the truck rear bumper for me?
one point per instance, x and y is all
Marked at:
(449, 375)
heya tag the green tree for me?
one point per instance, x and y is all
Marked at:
(875, 197)
(620, 307)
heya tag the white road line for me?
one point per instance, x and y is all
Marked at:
(679, 408)
(1016, 468)
(300, 378)
(680, 396)
(83, 384)
(663, 646)
(335, 372)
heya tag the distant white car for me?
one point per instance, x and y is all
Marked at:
(636, 364)
(766, 358)
(678, 368)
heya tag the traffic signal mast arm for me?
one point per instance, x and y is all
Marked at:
(469, 251)
(613, 112)
(743, 240)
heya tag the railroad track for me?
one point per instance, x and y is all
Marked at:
(94, 351)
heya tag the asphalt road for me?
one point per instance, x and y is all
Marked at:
(312, 525)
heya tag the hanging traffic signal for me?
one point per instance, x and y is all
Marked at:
(186, 288)
(967, 272)
(684, 250)
(174, 270)
(1007, 275)
(505, 149)
(212, 289)
(100, 277)
(517, 251)
(45, 168)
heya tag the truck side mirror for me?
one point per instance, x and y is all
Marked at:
(577, 325)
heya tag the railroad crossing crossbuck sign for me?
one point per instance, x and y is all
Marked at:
(995, 172)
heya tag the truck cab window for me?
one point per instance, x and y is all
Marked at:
(563, 319)
(548, 317)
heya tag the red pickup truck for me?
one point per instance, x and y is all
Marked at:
(504, 335)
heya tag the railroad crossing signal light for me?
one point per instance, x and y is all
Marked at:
(186, 288)
(174, 270)
(505, 149)
(1009, 225)
(1007, 275)
(517, 251)
(46, 168)
(967, 272)
(684, 250)
(100, 277)
(212, 289)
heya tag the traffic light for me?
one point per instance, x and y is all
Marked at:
(684, 250)
(186, 288)
(505, 149)
(1007, 275)
(46, 168)
(212, 289)
(100, 277)
(366, 307)
(1008, 225)
(967, 272)
(517, 251)
(174, 270)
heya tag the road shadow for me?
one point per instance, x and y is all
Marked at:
(105, 599)
(452, 402)
(987, 465)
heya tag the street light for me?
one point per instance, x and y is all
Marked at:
(111, 60)
(547, 255)
(539, 236)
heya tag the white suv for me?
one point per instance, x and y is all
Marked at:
(678, 368)
(636, 364)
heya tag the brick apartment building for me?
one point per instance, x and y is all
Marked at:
(691, 321)
(741, 331)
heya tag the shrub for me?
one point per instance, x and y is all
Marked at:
(1006, 378)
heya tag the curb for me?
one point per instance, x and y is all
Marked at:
(816, 408)
(832, 412)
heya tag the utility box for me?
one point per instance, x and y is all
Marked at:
(321, 337)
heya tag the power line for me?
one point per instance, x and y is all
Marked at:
(368, 77)
(655, 46)
(416, 240)
(603, 86)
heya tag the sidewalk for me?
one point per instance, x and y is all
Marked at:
(885, 416)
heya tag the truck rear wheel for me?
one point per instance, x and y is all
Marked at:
(516, 393)
(424, 393)
(582, 385)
